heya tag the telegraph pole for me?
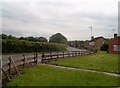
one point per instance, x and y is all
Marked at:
(91, 32)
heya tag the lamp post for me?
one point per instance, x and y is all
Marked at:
(91, 32)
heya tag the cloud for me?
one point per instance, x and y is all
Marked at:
(70, 17)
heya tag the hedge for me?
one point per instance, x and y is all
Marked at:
(20, 46)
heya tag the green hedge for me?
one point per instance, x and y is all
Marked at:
(20, 46)
(104, 47)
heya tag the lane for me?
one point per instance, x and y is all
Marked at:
(74, 49)
(18, 56)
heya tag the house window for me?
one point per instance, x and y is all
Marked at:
(116, 47)
(91, 43)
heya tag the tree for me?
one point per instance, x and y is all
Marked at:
(58, 38)
(10, 37)
(42, 39)
(3, 36)
(104, 47)
(21, 38)
(30, 38)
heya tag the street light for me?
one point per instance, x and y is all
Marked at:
(91, 31)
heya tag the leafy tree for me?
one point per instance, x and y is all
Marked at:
(58, 38)
(104, 47)
(21, 38)
(10, 37)
(42, 39)
(30, 38)
(3, 36)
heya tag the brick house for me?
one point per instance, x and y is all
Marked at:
(114, 46)
(96, 43)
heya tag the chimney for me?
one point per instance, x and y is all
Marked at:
(92, 37)
(115, 36)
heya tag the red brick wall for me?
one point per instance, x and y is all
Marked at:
(116, 41)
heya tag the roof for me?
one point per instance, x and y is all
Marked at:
(97, 38)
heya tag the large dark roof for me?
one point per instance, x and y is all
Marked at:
(94, 39)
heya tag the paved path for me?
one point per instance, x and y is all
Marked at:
(86, 70)
(74, 49)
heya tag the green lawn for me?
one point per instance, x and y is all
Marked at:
(42, 75)
(101, 61)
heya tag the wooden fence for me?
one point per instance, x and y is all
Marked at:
(7, 69)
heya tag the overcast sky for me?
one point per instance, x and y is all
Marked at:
(72, 18)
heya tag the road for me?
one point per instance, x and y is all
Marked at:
(75, 49)
(28, 55)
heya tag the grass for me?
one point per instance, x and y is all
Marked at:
(42, 75)
(100, 61)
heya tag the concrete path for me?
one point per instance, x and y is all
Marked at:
(74, 49)
(86, 70)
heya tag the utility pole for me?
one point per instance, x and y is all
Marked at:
(91, 32)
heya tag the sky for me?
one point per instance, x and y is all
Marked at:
(72, 18)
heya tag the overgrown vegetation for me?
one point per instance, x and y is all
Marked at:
(19, 46)
(41, 75)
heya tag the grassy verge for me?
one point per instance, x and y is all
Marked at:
(41, 75)
(101, 61)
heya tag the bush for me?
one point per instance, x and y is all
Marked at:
(104, 47)
(20, 46)
(58, 38)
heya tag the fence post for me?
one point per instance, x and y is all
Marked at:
(36, 58)
(72, 54)
(79, 53)
(51, 55)
(15, 65)
(63, 54)
(5, 74)
(9, 66)
(76, 53)
(57, 55)
(23, 60)
(42, 58)
(68, 54)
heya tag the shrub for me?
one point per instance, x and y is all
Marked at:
(104, 47)
(20, 46)
(58, 38)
